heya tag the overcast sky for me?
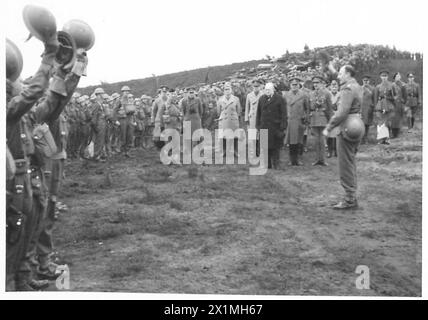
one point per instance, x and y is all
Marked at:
(135, 39)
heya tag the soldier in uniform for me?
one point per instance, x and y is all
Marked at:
(99, 123)
(335, 96)
(19, 189)
(85, 130)
(192, 110)
(125, 109)
(71, 114)
(146, 104)
(272, 115)
(307, 89)
(157, 104)
(400, 97)
(384, 97)
(349, 106)
(42, 243)
(139, 119)
(367, 106)
(297, 109)
(251, 104)
(413, 100)
(321, 110)
(114, 124)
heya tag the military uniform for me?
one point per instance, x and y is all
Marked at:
(413, 98)
(192, 111)
(157, 104)
(331, 141)
(98, 126)
(125, 109)
(251, 108)
(384, 97)
(210, 117)
(397, 116)
(321, 110)
(367, 106)
(85, 131)
(44, 195)
(349, 106)
(148, 126)
(297, 113)
(140, 116)
(19, 193)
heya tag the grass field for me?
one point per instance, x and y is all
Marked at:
(135, 225)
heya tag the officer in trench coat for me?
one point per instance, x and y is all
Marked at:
(297, 111)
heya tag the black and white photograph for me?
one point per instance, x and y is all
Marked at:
(213, 148)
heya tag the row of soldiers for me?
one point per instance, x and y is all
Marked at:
(119, 122)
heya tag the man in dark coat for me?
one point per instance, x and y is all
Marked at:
(272, 115)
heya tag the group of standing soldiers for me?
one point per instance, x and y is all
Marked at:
(119, 122)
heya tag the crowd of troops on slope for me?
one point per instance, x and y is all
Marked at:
(119, 122)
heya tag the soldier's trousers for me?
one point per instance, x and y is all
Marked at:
(138, 142)
(19, 200)
(273, 158)
(126, 132)
(294, 153)
(73, 140)
(331, 145)
(109, 137)
(34, 224)
(44, 244)
(84, 138)
(346, 152)
(115, 139)
(99, 138)
(319, 143)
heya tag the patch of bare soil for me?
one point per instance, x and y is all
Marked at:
(136, 225)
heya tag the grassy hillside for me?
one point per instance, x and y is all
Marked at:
(178, 79)
(217, 73)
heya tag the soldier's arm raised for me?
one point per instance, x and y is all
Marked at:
(22, 103)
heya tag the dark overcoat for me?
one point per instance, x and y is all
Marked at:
(272, 115)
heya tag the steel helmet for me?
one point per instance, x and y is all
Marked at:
(125, 88)
(81, 32)
(66, 54)
(76, 95)
(14, 61)
(353, 128)
(40, 22)
(99, 91)
(115, 95)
